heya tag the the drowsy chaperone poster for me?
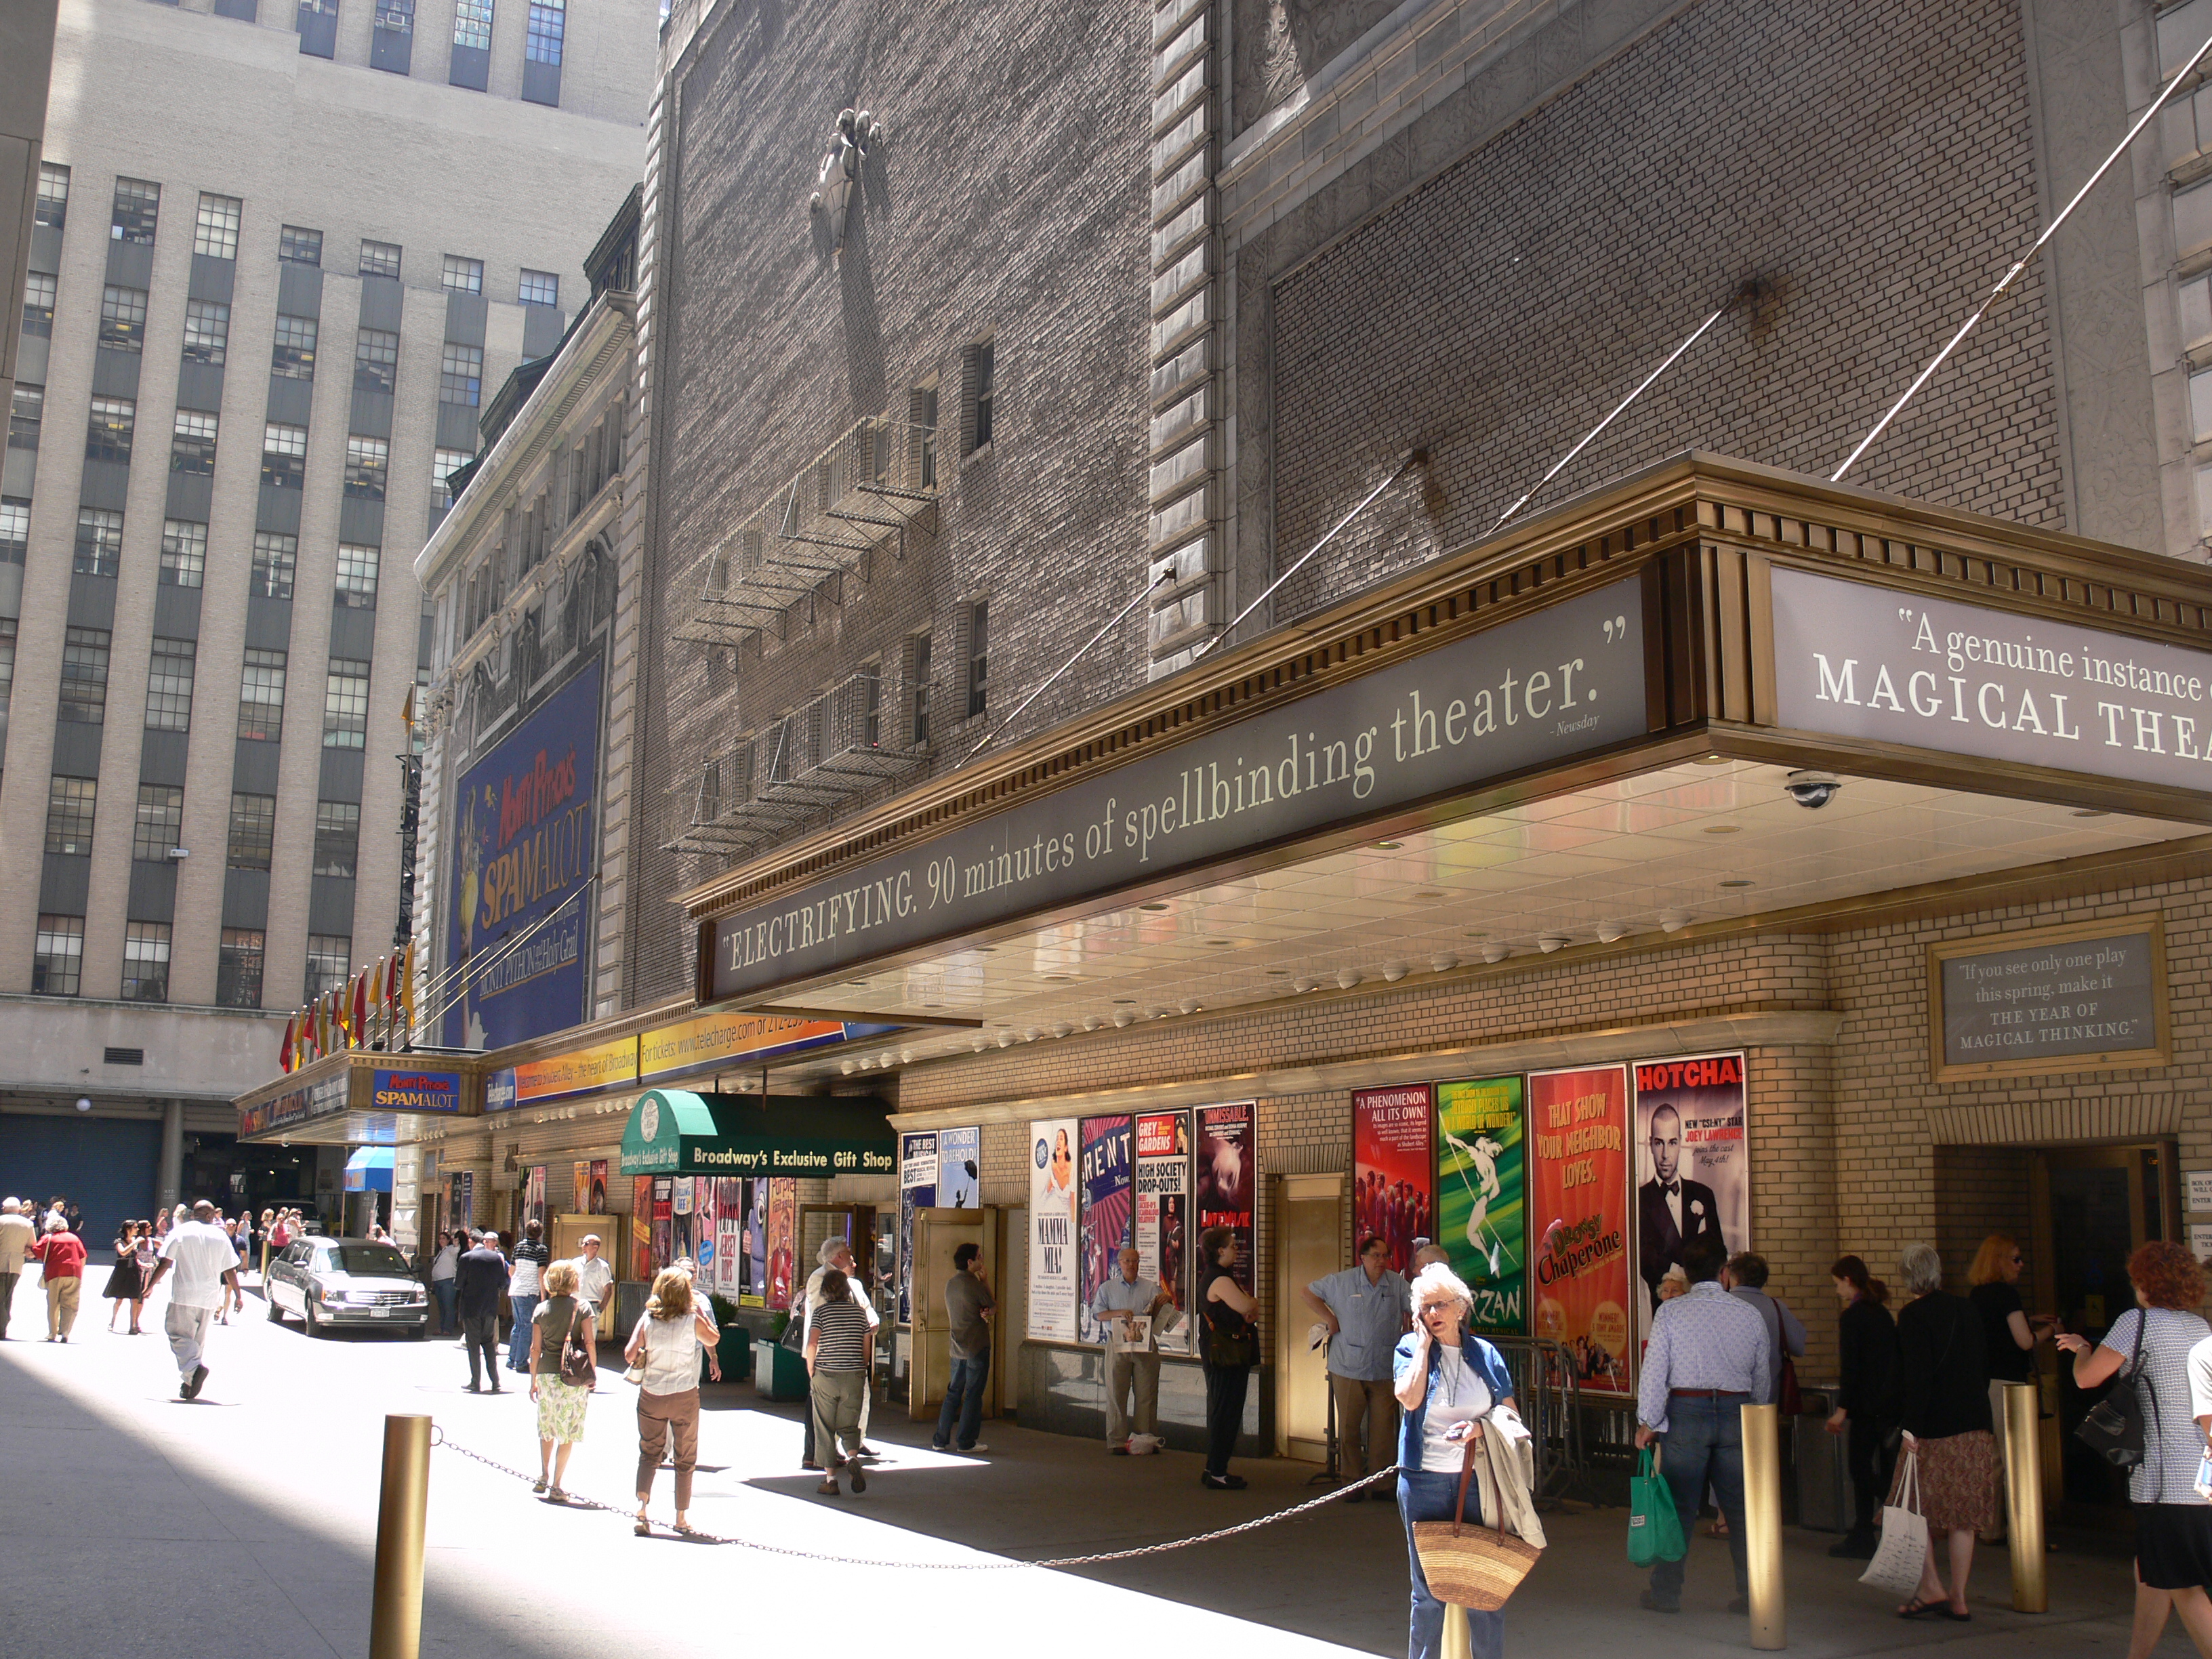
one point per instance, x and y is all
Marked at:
(1391, 1193)
(1052, 1229)
(1578, 1185)
(1227, 1177)
(1482, 1198)
(1692, 1165)
(1162, 1220)
(1107, 1179)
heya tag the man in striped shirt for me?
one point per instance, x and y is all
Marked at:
(524, 1291)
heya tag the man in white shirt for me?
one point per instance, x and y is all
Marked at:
(206, 1266)
(595, 1277)
(15, 1235)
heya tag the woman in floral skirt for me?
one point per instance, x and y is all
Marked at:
(560, 1405)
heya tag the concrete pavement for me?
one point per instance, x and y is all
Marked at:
(245, 1523)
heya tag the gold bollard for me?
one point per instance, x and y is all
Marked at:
(1459, 1641)
(1762, 1522)
(2024, 1496)
(395, 1608)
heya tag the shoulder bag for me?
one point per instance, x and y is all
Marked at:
(1471, 1567)
(1226, 1346)
(1902, 1555)
(579, 1367)
(2113, 1427)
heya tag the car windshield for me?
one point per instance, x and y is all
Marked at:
(377, 1259)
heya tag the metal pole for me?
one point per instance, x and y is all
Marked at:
(2023, 1411)
(1762, 1523)
(1459, 1641)
(395, 1609)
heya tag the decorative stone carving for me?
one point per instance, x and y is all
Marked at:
(856, 135)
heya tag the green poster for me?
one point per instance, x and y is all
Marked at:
(1482, 1202)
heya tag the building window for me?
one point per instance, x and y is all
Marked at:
(922, 690)
(472, 27)
(146, 961)
(461, 375)
(70, 804)
(7, 663)
(206, 332)
(107, 433)
(293, 355)
(296, 247)
(261, 697)
(58, 956)
(357, 565)
(217, 232)
(39, 289)
(159, 825)
(15, 530)
(137, 207)
(541, 40)
(25, 415)
(345, 705)
(921, 407)
(396, 17)
(376, 360)
(463, 275)
(53, 210)
(98, 541)
(283, 455)
(330, 957)
(978, 396)
(382, 259)
(709, 805)
(541, 288)
(979, 648)
(191, 446)
(238, 968)
(367, 461)
(338, 837)
(252, 831)
(169, 686)
(122, 317)
(2200, 405)
(275, 557)
(871, 705)
(443, 465)
(184, 553)
(84, 676)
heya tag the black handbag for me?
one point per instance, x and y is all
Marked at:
(579, 1367)
(1227, 1347)
(2113, 1428)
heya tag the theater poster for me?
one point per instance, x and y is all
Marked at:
(917, 1191)
(1392, 1198)
(1107, 1179)
(580, 1188)
(1692, 1165)
(1162, 1218)
(1580, 1279)
(959, 1168)
(704, 1221)
(782, 1238)
(681, 1210)
(1052, 1229)
(533, 1195)
(599, 1173)
(664, 1222)
(641, 1228)
(1227, 1177)
(1482, 1219)
(756, 1246)
(729, 1237)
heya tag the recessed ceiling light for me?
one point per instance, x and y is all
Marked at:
(1723, 828)
(1220, 944)
(933, 1004)
(2091, 812)
(1428, 893)
(862, 983)
(1279, 973)
(1059, 979)
(987, 949)
(1388, 846)
(1473, 934)
(1710, 760)
(1152, 907)
(1738, 882)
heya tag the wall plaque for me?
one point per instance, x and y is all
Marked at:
(2081, 998)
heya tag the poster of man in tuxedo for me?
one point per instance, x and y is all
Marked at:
(1692, 1165)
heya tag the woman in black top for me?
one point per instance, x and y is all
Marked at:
(1230, 1347)
(1868, 1352)
(1941, 1386)
(2009, 1335)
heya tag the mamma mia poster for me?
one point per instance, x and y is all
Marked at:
(1052, 1229)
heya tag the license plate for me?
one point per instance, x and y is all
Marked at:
(381, 1313)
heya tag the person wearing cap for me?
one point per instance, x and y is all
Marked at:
(480, 1283)
(61, 1257)
(16, 1236)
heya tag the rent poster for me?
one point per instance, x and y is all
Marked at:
(959, 1164)
(917, 1191)
(1578, 1186)
(1693, 1169)
(782, 1238)
(1052, 1230)
(1392, 1199)
(756, 1246)
(729, 1233)
(1226, 1177)
(1482, 1211)
(1163, 1218)
(1109, 1180)
(641, 1228)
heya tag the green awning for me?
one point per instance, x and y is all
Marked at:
(674, 1132)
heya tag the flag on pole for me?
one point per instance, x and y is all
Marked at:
(284, 1048)
(360, 1032)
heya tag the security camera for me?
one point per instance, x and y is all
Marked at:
(1813, 789)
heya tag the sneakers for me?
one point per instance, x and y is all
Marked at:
(859, 1475)
(1222, 1482)
(828, 1489)
(969, 1451)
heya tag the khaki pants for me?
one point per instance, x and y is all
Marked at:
(657, 1415)
(1366, 1418)
(61, 1306)
(837, 1397)
(1128, 1369)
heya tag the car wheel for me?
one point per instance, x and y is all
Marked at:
(308, 1318)
(275, 1313)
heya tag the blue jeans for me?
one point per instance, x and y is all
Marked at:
(517, 1340)
(446, 1289)
(964, 1399)
(1426, 1496)
(1703, 1441)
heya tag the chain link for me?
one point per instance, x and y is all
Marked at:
(574, 1501)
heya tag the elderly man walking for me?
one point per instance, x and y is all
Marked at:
(16, 1236)
(1367, 1308)
(1708, 1356)
(206, 1266)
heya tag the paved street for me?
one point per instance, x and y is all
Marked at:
(245, 1523)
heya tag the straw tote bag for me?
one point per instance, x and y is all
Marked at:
(1471, 1567)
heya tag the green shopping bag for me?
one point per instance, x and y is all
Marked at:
(1654, 1526)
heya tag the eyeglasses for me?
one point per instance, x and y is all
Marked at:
(2017, 1262)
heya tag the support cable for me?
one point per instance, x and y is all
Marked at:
(1143, 593)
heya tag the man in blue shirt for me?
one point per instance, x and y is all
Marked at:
(1708, 1356)
(1367, 1308)
(1133, 1357)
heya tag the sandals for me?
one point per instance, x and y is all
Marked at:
(685, 1529)
(538, 1485)
(643, 1528)
(555, 1495)
(1917, 1608)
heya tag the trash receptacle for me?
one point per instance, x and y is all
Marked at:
(778, 1373)
(1824, 1488)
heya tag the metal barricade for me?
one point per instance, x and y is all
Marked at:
(1549, 1395)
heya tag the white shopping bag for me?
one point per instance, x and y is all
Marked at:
(1902, 1558)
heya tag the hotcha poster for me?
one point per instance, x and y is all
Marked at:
(1578, 1123)
(1052, 1242)
(1108, 1180)
(1392, 1199)
(1162, 1218)
(1692, 1165)
(1227, 1177)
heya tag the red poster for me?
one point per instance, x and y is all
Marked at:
(782, 1238)
(1227, 1177)
(1391, 1198)
(641, 1228)
(1578, 1185)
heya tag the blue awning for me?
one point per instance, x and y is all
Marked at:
(369, 1170)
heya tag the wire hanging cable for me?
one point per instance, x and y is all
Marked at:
(2023, 262)
(1143, 593)
(1591, 437)
(473, 966)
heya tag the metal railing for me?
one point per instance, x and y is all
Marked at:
(1550, 1396)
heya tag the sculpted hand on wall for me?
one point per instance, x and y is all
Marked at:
(856, 135)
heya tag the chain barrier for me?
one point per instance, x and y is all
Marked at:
(576, 1501)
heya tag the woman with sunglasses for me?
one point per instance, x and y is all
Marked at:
(2009, 1333)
